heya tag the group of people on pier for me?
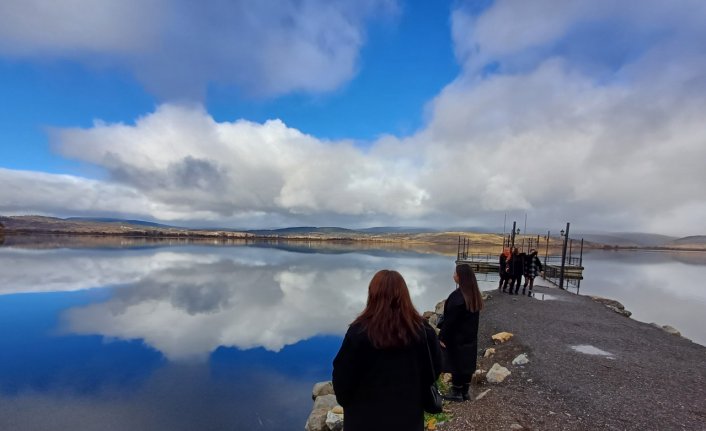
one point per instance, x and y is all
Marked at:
(513, 266)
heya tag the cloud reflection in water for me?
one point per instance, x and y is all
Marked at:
(231, 297)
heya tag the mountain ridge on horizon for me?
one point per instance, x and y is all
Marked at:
(624, 239)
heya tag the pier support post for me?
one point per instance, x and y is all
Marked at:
(546, 250)
(563, 257)
(512, 243)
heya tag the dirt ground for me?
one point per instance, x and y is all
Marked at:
(642, 379)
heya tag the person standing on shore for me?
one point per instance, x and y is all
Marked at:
(517, 262)
(383, 366)
(504, 269)
(459, 332)
(533, 266)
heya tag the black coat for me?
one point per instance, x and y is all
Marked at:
(381, 389)
(503, 266)
(517, 264)
(459, 332)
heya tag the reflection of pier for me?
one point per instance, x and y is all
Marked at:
(568, 274)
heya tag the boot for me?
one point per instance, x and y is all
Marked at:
(454, 394)
(523, 290)
(465, 392)
(529, 293)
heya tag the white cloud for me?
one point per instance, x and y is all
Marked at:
(177, 47)
(182, 159)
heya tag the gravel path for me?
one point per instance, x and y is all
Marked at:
(649, 379)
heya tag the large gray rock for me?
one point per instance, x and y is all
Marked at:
(322, 388)
(326, 402)
(613, 305)
(671, 330)
(497, 373)
(432, 318)
(334, 421)
(317, 420)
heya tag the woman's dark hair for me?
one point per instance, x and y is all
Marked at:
(389, 318)
(469, 288)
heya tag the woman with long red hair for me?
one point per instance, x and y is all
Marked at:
(384, 366)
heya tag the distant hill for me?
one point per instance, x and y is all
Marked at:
(696, 241)
(302, 230)
(628, 239)
(394, 229)
(33, 224)
(307, 230)
(117, 220)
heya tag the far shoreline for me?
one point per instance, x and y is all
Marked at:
(440, 240)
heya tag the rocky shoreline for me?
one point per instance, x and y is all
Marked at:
(570, 363)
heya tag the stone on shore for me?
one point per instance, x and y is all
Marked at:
(497, 373)
(613, 305)
(334, 421)
(501, 337)
(671, 330)
(482, 394)
(317, 420)
(521, 359)
(325, 402)
(432, 318)
(322, 388)
(478, 377)
(488, 352)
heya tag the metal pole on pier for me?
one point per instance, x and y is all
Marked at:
(546, 250)
(512, 243)
(578, 286)
(563, 256)
(581, 254)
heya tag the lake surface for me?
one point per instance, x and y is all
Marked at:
(232, 338)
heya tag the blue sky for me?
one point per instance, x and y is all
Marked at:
(376, 112)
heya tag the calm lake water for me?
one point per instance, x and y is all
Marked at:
(232, 338)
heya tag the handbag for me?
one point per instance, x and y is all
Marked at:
(431, 397)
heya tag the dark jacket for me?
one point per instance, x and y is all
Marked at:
(459, 332)
(381, 389)
(517, 264)
(503, 267)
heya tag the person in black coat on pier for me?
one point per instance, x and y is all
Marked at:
(517, 269)
(504, 269)
(459, 332)
(383, 366)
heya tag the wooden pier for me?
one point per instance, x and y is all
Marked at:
(487, 263)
